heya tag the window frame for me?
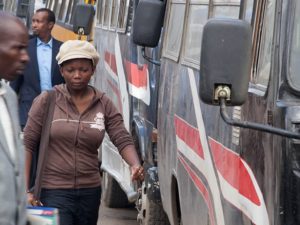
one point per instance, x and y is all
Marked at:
(106, 27)
(166, 52)
(290, 44)
(186, 60)
(69, 12)
(256, 86)
(115, 3)
(121, 28)
(63, 11)
(73, 6)
(99, 13)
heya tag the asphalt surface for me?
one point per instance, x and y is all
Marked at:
(109, 216)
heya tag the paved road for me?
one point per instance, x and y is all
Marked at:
(117, 216)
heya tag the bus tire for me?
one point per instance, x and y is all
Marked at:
(112, 194)
(151, 212)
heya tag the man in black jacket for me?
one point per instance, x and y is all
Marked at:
(42, 72)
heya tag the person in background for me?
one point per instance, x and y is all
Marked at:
(42, 72)
(82, 115)
(13, 59)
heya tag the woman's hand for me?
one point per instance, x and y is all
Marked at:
(137, 173)
(32, 201)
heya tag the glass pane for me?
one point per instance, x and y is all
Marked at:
(10, 6)
(198, 15)
(249, 10)
(265, 51)
(175, 26)
(295, 51)
(99, 13)
(226, 12)
(57, 7)
(48, 4)
(73, 9)
(114, 14)
(63, 11)
(23, 8)
(122, 14)
(106, 13)
(52, 5)
(68, 14)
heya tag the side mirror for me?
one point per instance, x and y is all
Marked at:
(225, 61)
(147, 22)
(83, 19)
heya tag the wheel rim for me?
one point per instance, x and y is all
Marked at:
(143, 204)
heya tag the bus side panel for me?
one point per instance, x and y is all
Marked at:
(217, 179)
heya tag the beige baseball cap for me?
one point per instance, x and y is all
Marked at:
(76, 49)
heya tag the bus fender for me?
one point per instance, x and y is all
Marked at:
(142, 135)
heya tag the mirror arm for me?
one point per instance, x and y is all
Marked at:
(80, 33)
(155, 62)
(254, 126)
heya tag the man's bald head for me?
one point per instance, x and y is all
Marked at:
(8, 23)
(13, 46)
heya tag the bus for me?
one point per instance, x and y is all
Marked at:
(23, 9)
(200, 169)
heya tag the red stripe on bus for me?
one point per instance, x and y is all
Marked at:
(136, 75)
(200, 187)
(188, 134)
(234, 171)
(110, 59)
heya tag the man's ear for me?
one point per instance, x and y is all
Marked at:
(50, 25)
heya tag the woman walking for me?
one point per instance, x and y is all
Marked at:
(82, 114)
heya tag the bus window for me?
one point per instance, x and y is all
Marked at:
(99, 12)
(72, 6)
(293, 75)
(122, 15)
(226, 9)
(1, 4)
(57, 7)
(50, 4)
(196, 19)
(174, 30)
(10, 6)
(63, 11)
(248, 11)
(106, 15)
(102, 12)
(263, 39)
(68, 13)
(23, 8)
(114, 14)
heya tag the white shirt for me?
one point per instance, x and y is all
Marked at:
(5, 122)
